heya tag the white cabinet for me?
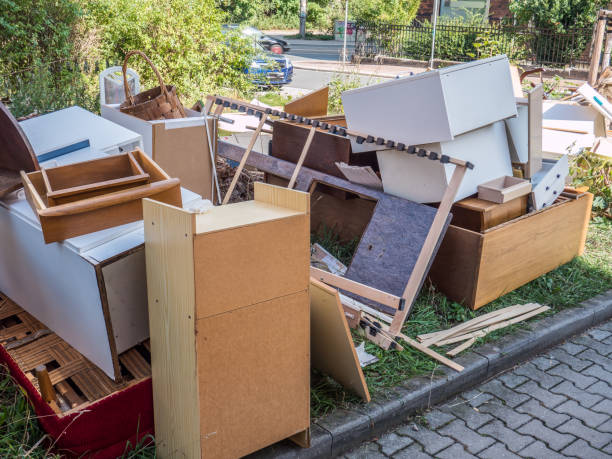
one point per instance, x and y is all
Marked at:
(433, 106)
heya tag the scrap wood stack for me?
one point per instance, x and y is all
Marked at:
(244, 189)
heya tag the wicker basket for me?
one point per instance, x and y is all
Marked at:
(157, 103)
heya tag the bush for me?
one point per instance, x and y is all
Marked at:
(558, 15)
(594, 171)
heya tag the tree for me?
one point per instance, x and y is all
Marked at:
(558, 15)
(396, 11)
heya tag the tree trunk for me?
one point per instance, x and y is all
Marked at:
(303, 18)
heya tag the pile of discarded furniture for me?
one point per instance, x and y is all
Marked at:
(134, 292)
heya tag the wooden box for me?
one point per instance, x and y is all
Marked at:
(479, 215)
(81, 209)
(229, 320)
(476, 268)
(433, 106)
(504, 189)
(180, 146)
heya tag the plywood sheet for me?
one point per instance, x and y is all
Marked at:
(253, 375)
(331, 344)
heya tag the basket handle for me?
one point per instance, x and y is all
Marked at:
(128, 94)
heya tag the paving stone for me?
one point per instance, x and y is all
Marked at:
(590, 418)
(534, 373)
(473, 441)
(509, 396)
(581, 449)
(599, 334)
(578, 379)
(513, 441)
(593, 437)
(593, 344)
(572, 348)
(576, 363)
(539, 450)
(601, 388)
(437, 418)
(512, 379)
(596, 357)
(606, 426)
(607, 341)
(605, 406)
(583, 397)
(476, 397)
(497, 451)
(545, 362)
(392, 442)
(553, 439)
(414, 451)
(549, 417)
(511, 418)
(457, 451)
(473, 419)
(598, 372)
(431, 441)
(367, 451)
(547, 398)
(608, 449)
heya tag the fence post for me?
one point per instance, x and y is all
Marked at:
(597, 45)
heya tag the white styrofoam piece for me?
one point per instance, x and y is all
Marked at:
(597, 101)
(548, 183)
(65, 127)
(125, 281)
(433, 106)
(55, 285)
(422, 180)
(518, 134)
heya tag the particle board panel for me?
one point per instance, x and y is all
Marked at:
(247, 384)
(171, 297)
(312, 104)
(332, 348)
(476, 268)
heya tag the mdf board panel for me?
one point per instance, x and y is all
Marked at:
(311, 104)
(274, 269)
(389, 109)
(332, 348)
(417, 179)
(248, 396)
(476, 268)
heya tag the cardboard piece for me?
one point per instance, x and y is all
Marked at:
(332, 351)
(235, 335)
(179, 146)
(364, 175)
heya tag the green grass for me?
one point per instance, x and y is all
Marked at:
(566, 286)
(274, 98)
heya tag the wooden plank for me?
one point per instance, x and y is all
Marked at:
(534, 130)
(462, 347)
(135, 364)
(427, 253)
(355, 287)
(282, 197)
(312, 104)
(353, 304)
(243, 161)
(332, 348)
(433, 354)
(171, 297)
(300, 162)
(598, 36)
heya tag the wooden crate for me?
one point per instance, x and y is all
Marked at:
(229, 319)
(476, 268)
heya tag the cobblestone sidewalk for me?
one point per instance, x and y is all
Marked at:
(557, 405)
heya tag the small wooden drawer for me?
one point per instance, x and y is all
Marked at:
(503, 189)
(92, 178)
(480, 215)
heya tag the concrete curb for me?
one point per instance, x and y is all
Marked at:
(347, 428)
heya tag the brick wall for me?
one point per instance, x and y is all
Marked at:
(497, 9)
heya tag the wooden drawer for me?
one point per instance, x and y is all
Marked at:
(479, 215)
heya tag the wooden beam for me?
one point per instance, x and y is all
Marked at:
(600, 30)
(298, 166)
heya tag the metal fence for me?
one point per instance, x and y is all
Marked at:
(460, 42)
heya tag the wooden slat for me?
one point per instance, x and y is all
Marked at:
(8, 308)
(135, 364)
(66, 371)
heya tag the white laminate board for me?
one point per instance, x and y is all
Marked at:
(433, 106)
(549, 182)
(125, 281)
(422, 180)
(55, 285)
(65, 127)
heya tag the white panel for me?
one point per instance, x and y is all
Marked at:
(518, 134)
(55, 285)
(549, 182)
(126, 290)
(433, 106)
(478, 93)
(423, 180)
(65, 127)
(141, 127)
